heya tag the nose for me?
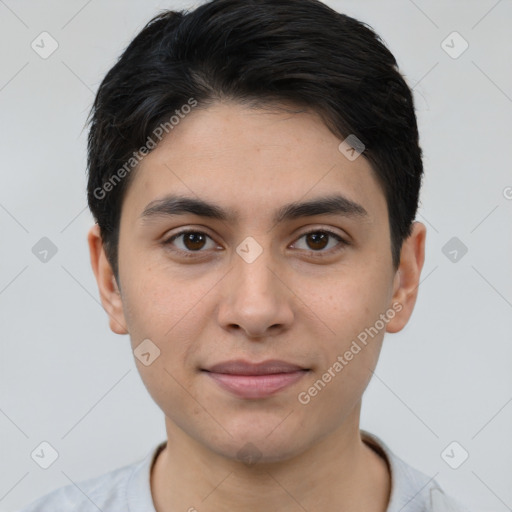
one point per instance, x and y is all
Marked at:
(256, 299)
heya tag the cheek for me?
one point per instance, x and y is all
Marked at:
(170, 311)
(167, 316)
(350, 306)
(350, 349)
(157, 305)
(352, 302)
(170, 388)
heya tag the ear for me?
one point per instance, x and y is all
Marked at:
(407, 277)
(107, 285)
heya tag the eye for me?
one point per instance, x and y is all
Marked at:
(192, 242)
(319, 239)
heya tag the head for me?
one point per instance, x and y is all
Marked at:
(282, 136)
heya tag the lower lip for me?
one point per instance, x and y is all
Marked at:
(256, 386)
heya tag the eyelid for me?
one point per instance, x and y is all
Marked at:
(320, 229)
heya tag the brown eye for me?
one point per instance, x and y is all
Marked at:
(194, 241)
(317, 241)
(191, 241)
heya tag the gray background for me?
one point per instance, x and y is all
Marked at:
(65, 378)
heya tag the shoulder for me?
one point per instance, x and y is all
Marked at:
(109, 492)
(412, 490)
(440, 502)
(87, 495)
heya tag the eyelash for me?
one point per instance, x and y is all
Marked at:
(315, 254)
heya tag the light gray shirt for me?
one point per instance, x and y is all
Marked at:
(127, 489)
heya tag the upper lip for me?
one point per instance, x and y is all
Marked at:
(240, 367)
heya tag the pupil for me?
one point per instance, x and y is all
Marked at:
(190, 243)
(316, 237)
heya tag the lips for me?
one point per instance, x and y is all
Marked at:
(255, 380)
(240, 367)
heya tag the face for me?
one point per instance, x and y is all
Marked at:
(308, 292)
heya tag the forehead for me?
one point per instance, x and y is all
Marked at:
(252, 161)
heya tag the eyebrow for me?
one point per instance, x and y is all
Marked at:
(182, 205)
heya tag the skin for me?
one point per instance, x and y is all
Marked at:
(287, 304)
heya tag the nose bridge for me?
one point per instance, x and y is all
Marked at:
(252, 273)
(255, 298)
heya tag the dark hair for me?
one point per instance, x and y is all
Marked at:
(256, 52)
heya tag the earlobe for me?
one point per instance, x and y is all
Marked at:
(109, 291)
(407, 277)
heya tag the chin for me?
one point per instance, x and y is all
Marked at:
(262, 444)
(257, 452)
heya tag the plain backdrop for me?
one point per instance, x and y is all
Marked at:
(66, 379)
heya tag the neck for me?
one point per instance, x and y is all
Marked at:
(339, 473)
